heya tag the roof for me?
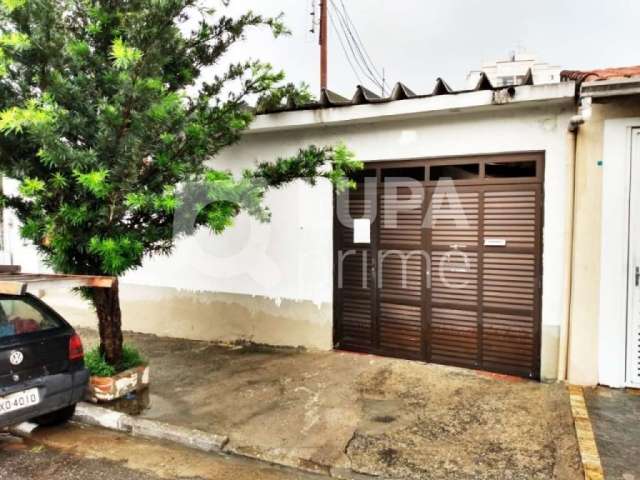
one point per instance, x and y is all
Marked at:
(368, 108)
(600, 74)
(12, 282)
(400, 91)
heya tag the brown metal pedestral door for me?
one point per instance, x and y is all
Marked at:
(379, 283)
(455, 277)
(511, 279)
(484, 306)
(353, 266)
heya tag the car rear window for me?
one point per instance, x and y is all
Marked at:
(18, 316)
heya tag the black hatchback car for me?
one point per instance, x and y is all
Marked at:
(42, 372)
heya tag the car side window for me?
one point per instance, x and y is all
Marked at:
(19, 317)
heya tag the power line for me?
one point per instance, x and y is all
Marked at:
(353, 26)
(354, 55)
(364, 49)
(356, 49)
(344, 49)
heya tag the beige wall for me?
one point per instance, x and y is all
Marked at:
(583, 335)
(220, 317)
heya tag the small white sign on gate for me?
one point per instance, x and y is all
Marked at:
(495, 242)
(361, 230)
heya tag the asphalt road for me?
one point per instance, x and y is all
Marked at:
(76, 452)
(32, 462)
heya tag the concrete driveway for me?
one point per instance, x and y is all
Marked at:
(339, 413)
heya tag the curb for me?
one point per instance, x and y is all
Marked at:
(102, 417)
(90, 414)
(584, 431)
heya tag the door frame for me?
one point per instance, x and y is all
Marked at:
(633, 307)
(613, 316)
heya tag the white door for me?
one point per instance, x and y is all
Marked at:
(633, 329)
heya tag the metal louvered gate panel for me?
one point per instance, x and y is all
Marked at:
(510, 279)
(400, 268)
(453, 303)
(452, 274)
(354, 262)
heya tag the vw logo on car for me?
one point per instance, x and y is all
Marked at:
(16, 357)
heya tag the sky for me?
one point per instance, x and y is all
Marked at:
(416, 41)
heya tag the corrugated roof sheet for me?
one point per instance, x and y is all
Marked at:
(400, 91)
(600, 74)
(441, 88)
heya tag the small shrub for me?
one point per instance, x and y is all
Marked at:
(98, 367)
(131, 357)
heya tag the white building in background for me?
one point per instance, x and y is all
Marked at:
(513, 70)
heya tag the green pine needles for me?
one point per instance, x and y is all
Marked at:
(95, 361)
(105, 110)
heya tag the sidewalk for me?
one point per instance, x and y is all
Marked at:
(338, 413)
(615, 416)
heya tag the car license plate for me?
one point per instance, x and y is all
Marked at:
(19, 400)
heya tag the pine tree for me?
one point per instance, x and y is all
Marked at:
(105, 111)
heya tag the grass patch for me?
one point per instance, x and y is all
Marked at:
(98, 366)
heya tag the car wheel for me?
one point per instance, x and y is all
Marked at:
(56, 418)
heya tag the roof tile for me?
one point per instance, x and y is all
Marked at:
(600, 74)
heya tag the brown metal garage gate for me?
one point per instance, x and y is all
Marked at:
(451, 271)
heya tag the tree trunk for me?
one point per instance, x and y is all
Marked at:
(107, 304)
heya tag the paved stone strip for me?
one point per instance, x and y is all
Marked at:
(586, 440)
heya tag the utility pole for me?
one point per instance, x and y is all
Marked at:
(324, 37)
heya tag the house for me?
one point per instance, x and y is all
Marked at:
(513, 70)
(603, 323)
(505, 151)
(472, 238)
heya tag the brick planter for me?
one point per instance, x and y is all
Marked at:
(107, 389)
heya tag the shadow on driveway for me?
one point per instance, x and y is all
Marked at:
(336, 411)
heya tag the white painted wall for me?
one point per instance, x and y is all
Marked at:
(284, 258)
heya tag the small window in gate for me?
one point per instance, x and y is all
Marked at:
(467, 171)
(360, 176)
(403, 174)
(510, 169)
